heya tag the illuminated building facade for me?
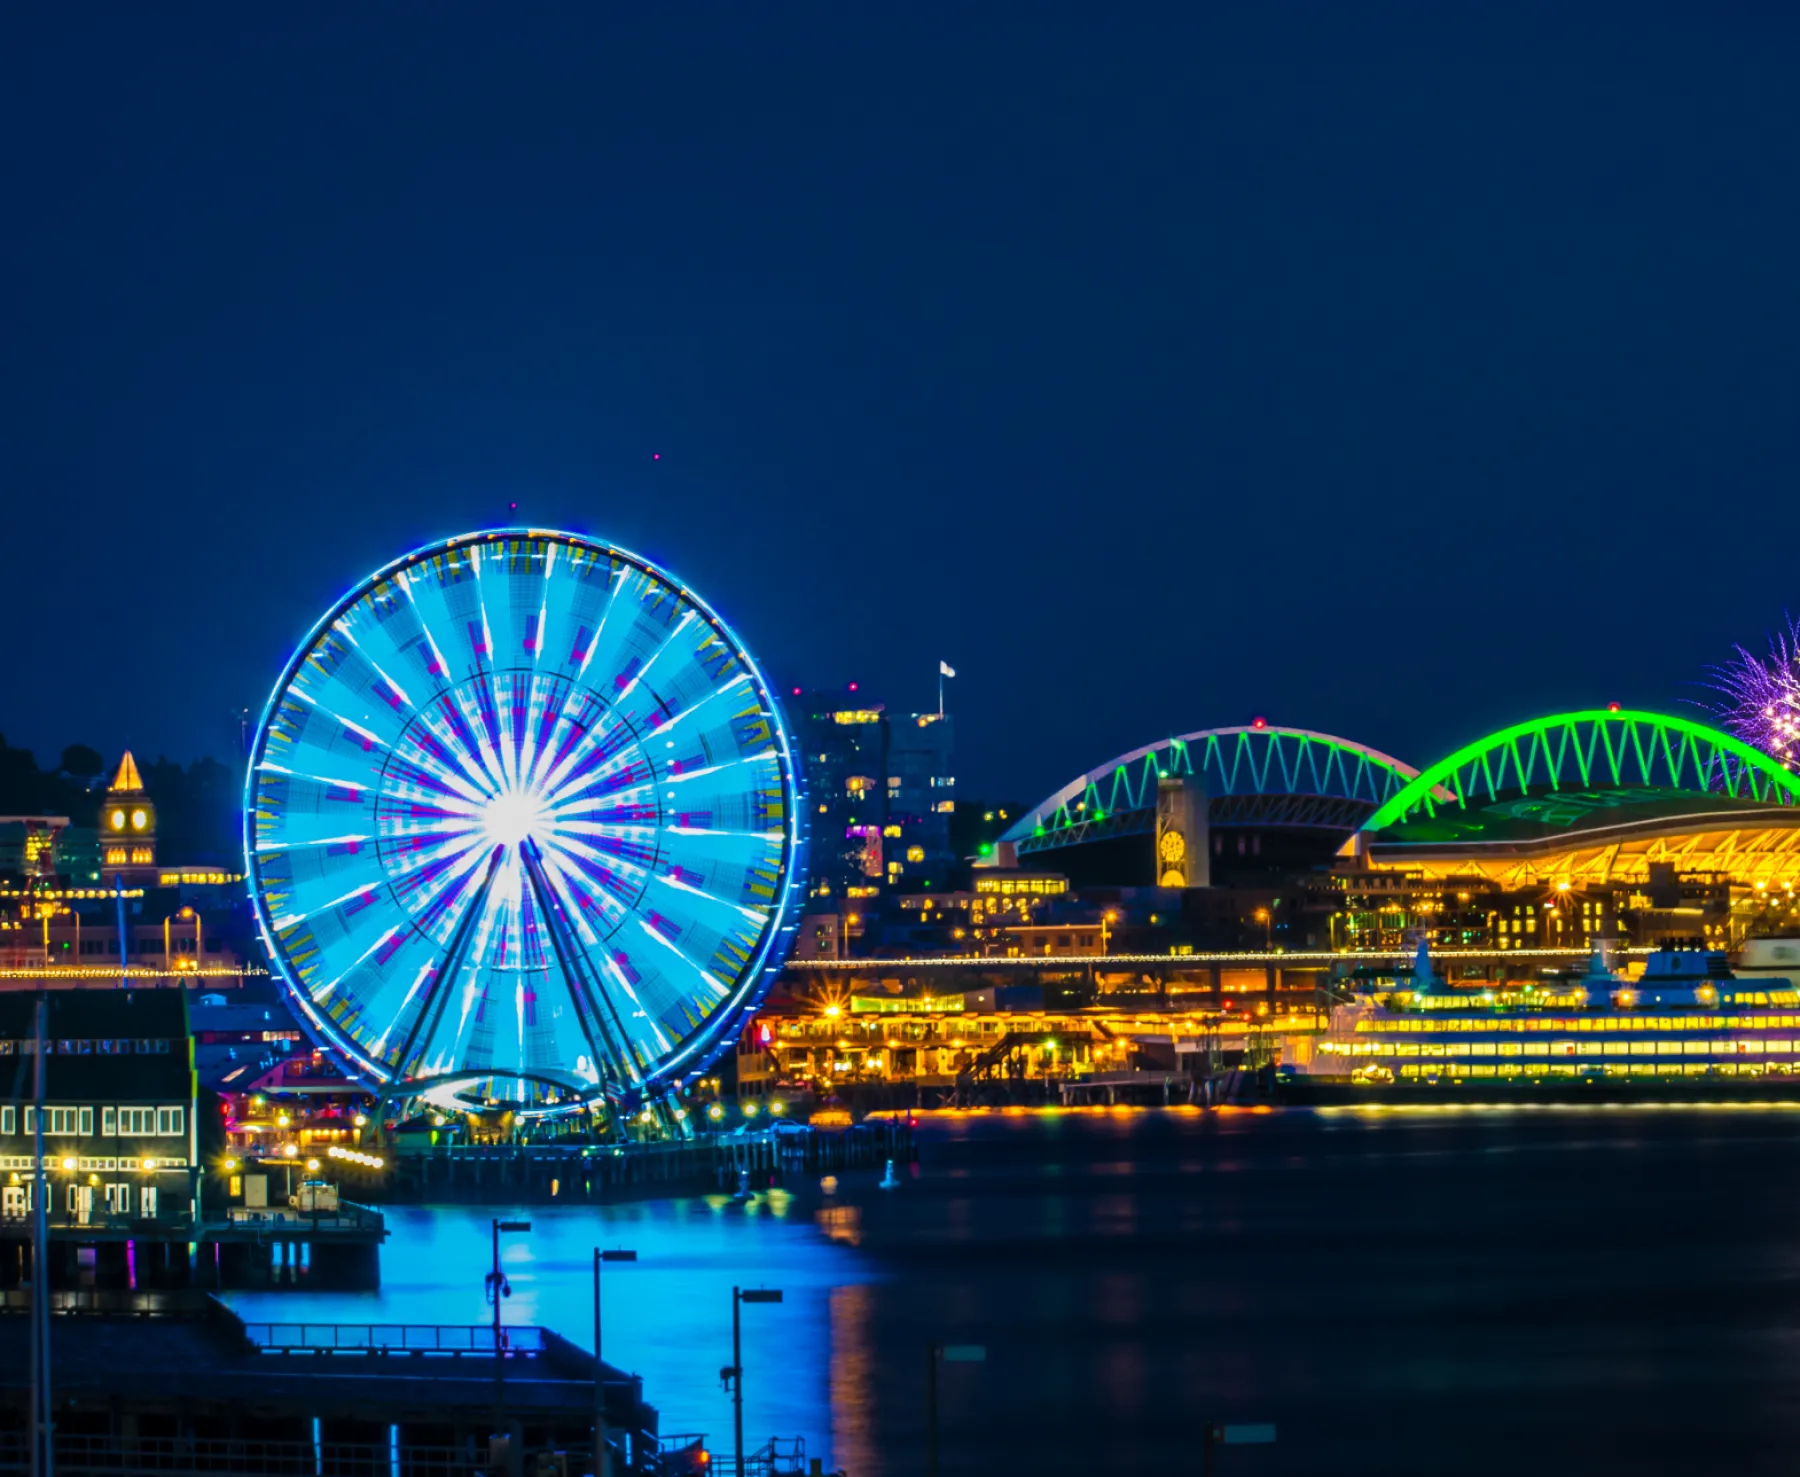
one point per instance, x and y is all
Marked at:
(880, 795)
(842, 744)
(989, 1028)
(48, 847)
(121, 1135)
(993, 918)
(70, 936)
(921, 798)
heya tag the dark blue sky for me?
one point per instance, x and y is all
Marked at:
(1390, 373)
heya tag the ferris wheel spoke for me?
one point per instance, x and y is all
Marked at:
(592, 753)
(668, 640)
(571, 959)
(427, 766)
(576, 870)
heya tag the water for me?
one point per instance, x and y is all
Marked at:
(1614, 1289)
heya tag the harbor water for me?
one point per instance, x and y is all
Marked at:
(1610, 1289)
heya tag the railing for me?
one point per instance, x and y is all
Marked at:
(347, 1217)
(780, 1458)
(176, 1456)
(170, 1303)
(392, 1338)
(685, 1456)
(99, 1220)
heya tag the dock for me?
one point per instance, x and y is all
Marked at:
(244, 1249)
(177, 1383)
(598, 1174)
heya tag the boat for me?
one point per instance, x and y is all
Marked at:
(1688, 1015)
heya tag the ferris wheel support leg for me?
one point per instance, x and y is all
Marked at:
(678, 1125)
(573, 960)
(439, 994)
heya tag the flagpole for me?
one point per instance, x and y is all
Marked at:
(940, 689)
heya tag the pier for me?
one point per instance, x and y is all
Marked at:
(248, 1248)
(177, 1383)
(595, 1174)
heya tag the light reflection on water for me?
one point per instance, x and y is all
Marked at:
(1494, 1292)
(667, 1318)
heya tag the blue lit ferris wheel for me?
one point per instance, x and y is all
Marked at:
(521, 826)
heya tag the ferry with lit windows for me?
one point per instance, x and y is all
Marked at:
(1689, 1024)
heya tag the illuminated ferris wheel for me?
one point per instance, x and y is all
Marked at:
(521, 826)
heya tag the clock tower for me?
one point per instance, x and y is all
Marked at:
(1183, 844)
(127, 826)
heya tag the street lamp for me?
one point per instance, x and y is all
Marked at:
(497, 1288)
(168, 947)
(602, 1454)
(733, 1374)
(1106, 920)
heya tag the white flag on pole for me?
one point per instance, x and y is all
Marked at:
(945, 669)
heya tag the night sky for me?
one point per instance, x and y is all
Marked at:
(1393, 374)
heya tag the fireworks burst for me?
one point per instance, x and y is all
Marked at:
(1760, 695)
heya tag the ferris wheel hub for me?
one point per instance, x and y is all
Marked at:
(515, 816)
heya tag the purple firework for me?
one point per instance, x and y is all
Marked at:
(1760, 695)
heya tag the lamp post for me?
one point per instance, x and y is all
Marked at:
(602, 1456)
(42, 1452)
(168, 946)
(734, 1375)
(497, 1288)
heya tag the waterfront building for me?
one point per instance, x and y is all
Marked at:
(995, 915)
(122, 1136)
(968, 1028)
(70, 936)
(242, 1036)
(85, 906)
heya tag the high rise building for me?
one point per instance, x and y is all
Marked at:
(842, 741)
(880, 794)
(921, 797)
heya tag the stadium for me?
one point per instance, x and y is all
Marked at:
(1550, 832)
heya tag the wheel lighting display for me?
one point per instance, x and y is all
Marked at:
(520, 826)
